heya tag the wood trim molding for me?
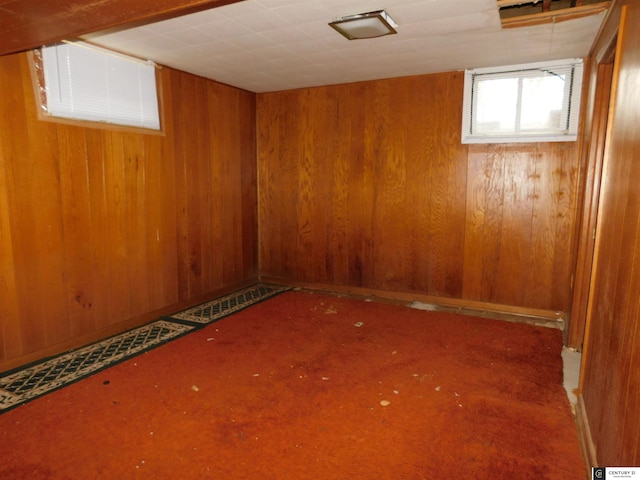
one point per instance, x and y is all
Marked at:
(528, 315)
(608, 31)
(593, 173)
(587, 445)
(555, 16)
(603, 186)
(27, 24)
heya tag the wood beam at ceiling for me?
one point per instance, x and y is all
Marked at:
(555, 16)
(512, 3)
(27, 24)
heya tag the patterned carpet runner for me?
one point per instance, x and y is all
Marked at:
(30, 382)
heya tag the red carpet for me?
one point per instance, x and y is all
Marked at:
(306, 386)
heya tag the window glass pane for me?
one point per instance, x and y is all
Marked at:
(496, 105)
(542, 101)
(521, 103)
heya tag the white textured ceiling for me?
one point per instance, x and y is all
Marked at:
(269, 45)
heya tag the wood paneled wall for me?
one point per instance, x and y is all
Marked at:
(99, 229)
(367, 185)
(610, 384)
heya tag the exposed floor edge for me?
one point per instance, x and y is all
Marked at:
(532, 316)
(571, 362)
(510, 317)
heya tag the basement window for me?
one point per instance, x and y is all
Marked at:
(84, 82)
(537, 102)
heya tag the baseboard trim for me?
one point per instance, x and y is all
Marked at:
(530, 315)
(587, 445)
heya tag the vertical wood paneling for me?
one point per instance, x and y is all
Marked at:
(232, 113)
(610, 385)
(517, 214)
(495, 174)
(101, 227)
(268, 148)
(246, 198)
(98, 233)
(306, 177)
(476, 217)
(196, 186)
(566, 178)
(9, 327)
(182, 105)
(216, 195)
(201, 271)
(245, 107)
(160, 233)
(164, 165)
(136, 208)
(595, 127)
(76, 222)
(339, 232)
(387, 173)
(418, 179)
(230, 223)
(12, 143)
(483, 221)
(371, 178)
(452, 160)
(318, 149)
(37, 228)
(117, 248)
(357, 211)
(547, 171)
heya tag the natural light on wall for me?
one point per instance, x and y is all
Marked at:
(83, 82)
(522, 103)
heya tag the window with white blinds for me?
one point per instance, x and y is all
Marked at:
(84, 82)
(522, 103)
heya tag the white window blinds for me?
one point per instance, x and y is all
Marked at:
(87, 83)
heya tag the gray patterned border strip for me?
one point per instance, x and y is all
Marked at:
(44, 377)
(221, 307)
(33, 381)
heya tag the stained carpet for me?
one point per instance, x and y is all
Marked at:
(308, 386)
